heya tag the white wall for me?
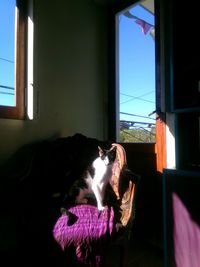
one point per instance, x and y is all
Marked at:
(70, 47)
(170, 141)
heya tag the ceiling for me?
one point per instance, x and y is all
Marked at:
(104, 2)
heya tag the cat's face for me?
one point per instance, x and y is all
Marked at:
(108, 156)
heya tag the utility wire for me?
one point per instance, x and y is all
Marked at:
(137, 97)
(6, 87)
(7, 60)
(130, 114)
(4, 93)
(133, 123)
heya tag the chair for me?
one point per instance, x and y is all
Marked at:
(124, 184)
(85, 234)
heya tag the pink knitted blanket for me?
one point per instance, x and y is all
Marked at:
(85, 231)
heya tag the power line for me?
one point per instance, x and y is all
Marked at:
(150, 92)
(7, 60)
(130, 114)
(137, 97)
(128, 124)
(6, 87)
(4, 93)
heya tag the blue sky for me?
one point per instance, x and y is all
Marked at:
(7, 9)
(136, 67)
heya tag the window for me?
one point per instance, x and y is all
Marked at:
(12, 59)
(135, 75)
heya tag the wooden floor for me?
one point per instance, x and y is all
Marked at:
(140, 254)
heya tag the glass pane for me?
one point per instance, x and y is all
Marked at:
(7, 52)
(136, 73)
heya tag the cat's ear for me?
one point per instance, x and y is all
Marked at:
(101, 151)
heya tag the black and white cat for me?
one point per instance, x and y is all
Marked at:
(95, 178)
(102, 173)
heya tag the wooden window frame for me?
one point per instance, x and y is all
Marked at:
(18, 111)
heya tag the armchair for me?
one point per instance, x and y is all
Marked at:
(85, 234)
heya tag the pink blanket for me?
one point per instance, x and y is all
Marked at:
(85, 231)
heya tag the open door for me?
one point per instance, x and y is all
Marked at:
(136, 120)
(137, 116)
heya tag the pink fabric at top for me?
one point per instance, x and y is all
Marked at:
(87, 231)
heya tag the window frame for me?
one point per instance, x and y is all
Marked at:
(18, 111)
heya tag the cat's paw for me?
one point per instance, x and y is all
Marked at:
(101, 208)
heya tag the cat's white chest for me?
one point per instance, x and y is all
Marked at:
(102, 173)
(101, 170)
